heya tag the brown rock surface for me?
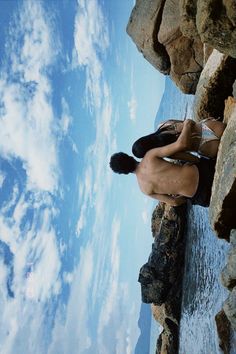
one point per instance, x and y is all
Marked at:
(188, 11)
(154, 26)
(230, 308)
(216, 80)
(222, 208)
(215, 24)
(166, 344)
(169, 27)
(161, 277)
(157, 218)
(228, 275)
(230, 6)
(143, 27)
(224, 332)
(186, 55)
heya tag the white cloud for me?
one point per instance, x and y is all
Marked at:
(35, 273)
(145, 216)
(27, 133)
(132, 105)
(26, 124)
(91, 39)
(68, 277)
(2, 178)
(71, 334)
(66, 119)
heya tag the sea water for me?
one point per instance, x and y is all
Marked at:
(203, 295)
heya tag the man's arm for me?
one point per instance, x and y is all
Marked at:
(174, 201)
(185, 156)
(183, 142)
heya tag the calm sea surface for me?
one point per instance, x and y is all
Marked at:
(203, 294)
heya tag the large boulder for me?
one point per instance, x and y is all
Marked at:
(216, 24)
(166, 343)
(222, 208)
(188, 11)
(186, 55)
(216, 80)
(224, 331)
(229, 308)
(143, 27)
(157, 218)
(163, 270)
(154, 26)
(228, 274)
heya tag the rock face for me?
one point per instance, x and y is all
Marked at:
(154, 26)
(224, 331)
(186, 54)
(222, 209)
(163, 269)
(230, 308)
(173, 35)
(161, 276)
(188, 11)
(215, 21)
(228, 279)
(216, 80)
(143, 27)
(157, 218)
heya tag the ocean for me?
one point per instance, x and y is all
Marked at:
(203, 295)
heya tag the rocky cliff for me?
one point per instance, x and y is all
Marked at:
(177, 36)
(161, 276)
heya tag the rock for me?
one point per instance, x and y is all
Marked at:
(229, 109)
(164, 268)
(154, 26)
(186, 55)
(153, 290)
(157, 217)
(188, 11)
(207, 51)
(224, 332)
(234, 89)
(169, 311)
(222, 208)
(167, 343)
(233, 238)
(215, 22)
(230, 7)
(169, 28)
(228, 274)
(143, 27)
(230, 308)
(216, 80)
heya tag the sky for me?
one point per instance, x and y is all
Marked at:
(73, 235)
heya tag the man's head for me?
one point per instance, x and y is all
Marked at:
(123, 163)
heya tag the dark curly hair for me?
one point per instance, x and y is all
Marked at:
(123, 163)
(151, 141)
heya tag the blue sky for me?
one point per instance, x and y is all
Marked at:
(73, 90)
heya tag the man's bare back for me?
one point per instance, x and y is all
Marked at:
(165, 181)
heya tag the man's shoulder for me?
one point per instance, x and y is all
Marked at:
(151, 155)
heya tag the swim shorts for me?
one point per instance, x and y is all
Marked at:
(206, 169)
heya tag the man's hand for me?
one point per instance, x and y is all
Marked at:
(184, 138)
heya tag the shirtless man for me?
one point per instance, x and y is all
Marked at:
(165, 181)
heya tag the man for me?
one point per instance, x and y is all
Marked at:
(165, 181)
